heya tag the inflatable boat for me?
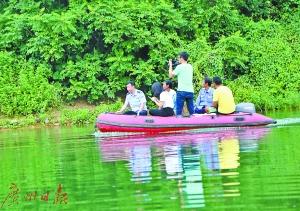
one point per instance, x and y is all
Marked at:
(109, 122)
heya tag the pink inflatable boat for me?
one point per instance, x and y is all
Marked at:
(108, 122)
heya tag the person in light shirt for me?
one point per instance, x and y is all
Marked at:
(205, 98)
(165, 102)
(136, 100)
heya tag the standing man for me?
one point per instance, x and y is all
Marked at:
(136, 100)
(185, 91)
(205, 98)
(223, 99)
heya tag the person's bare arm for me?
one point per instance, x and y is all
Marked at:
(215, 99)
(157, 102)
(215, 104)
(142, 106)
(171, 72)
(143, 103)
(123, 107)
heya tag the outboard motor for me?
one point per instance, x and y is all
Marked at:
(245, 107)
(156, 89)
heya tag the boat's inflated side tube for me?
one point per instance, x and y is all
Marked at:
(245, 107)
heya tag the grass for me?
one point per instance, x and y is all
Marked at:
(79, 113)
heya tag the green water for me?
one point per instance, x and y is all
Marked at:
(212, 169)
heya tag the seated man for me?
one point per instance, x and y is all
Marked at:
(136, 100)
(223, 99)
(166, 102)
(205, 98)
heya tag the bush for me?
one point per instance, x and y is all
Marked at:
(92, 48)
(24, 88)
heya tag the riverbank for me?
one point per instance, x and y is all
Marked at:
(79, 113)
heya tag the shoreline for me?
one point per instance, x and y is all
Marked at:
(66, 115)
(79, 114)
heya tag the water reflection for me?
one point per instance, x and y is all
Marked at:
(173, 160)
(189, 158)
(140, 163)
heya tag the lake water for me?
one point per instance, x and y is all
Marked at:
(210, 169)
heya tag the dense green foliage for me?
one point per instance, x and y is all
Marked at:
(89, 49)
(24, 87)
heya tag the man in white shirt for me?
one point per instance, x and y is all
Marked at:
(166, 101)
(136, 100)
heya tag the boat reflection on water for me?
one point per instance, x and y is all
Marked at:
(186, 157)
